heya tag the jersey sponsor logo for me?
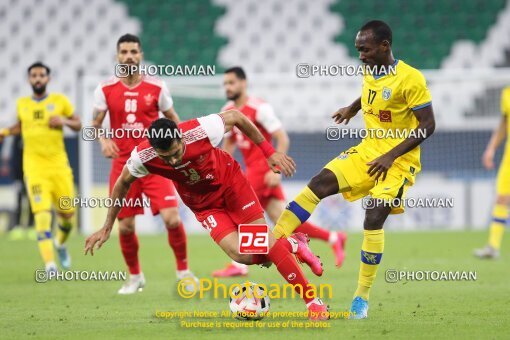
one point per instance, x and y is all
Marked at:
(132, 124)
(194, 135)
(385, 116)
(131, 118)
(248, 205)
(169, 198)
(386, 93)
(132, 94)
(183, 165)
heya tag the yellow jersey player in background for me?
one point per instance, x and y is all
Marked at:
(383, 168)
(48, 176)
(500, 212)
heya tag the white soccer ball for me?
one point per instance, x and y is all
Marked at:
(249, 301)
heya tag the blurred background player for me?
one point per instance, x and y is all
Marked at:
(381, 167)
(500, 212)
(21, 225)
(265, 182)
(48, 176)
(133, 102)
(211, 184)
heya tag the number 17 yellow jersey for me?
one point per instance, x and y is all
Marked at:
(388, 103)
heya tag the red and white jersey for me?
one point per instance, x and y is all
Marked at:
(205, 171)
(132, 108)
(264, 118)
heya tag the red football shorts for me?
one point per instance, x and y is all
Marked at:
(237, 205)
(264, 192)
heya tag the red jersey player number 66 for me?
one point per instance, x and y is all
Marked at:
(253, 239)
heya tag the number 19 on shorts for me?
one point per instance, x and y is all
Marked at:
(253, 239)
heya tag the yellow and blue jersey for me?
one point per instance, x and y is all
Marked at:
(44, 147)
(388, 102)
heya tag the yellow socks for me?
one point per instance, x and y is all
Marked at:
(296, 212)
(497, 228)
(371, 254)
(64, 228)
(44, 240)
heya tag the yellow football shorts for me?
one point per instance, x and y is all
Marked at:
(51, 187)
(353, 167)
(503, 181)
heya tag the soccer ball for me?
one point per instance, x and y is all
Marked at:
(249, 301)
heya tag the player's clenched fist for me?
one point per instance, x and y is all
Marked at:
(281, 162)
(99, 237)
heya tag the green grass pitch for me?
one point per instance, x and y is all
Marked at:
(406, 310)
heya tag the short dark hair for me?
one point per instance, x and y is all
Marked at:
(129, 38)
(380, 29)
(38, 64)
(238, 70)
(162, 133)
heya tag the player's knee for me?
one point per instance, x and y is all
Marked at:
(172, 220)
(66, 215)
(374, 218)
(324, 184)
(503, 199)
(127, 226)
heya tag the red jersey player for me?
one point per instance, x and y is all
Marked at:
(211, 183)
(266, 183)
(133, 103)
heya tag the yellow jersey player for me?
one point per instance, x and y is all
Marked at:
(500, 212)
(383, 168)
(48, 176)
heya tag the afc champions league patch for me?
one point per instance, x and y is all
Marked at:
(386, 93)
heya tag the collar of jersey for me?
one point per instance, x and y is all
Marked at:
(382, 75)
(40, 99)
(133, 86)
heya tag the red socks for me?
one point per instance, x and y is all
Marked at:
(313, 231)
(286, 264)
(129, 247)
(177, 240)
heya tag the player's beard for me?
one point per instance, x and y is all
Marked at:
(39, 89)
(234, 96)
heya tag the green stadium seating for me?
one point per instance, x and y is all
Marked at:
(423, 36)
(178, 32)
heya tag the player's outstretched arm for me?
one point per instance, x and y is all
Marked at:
(427, 124)
(119, 192)
(498, 136)
(12, 130)
(344, 114)
(276, 160)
